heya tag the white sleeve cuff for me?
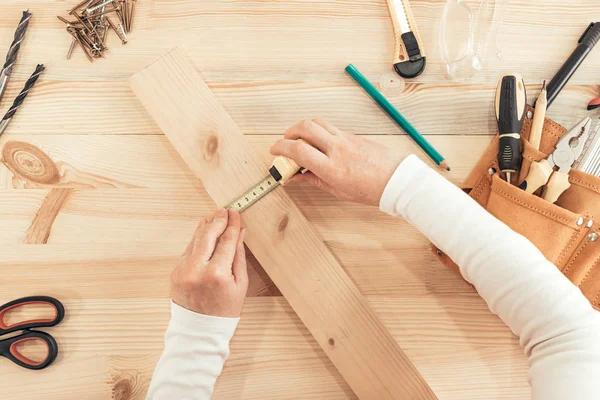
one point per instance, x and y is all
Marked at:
(200, 322)
(408, 169)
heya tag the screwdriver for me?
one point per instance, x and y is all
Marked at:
(510, 114)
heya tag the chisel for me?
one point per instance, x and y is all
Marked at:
(510, 113)
(281, 171)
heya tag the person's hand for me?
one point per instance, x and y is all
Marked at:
(348, 166)
(211, 277)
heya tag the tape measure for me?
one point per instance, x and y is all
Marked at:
(255, 193)
(281, 171)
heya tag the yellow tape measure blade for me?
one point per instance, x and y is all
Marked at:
(255, 193)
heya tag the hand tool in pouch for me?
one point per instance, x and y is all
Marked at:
(11, 57)
(568, 149)
(537, 125)
(9, 347)
(589, 161)
(409, 55)
(586, 43)
(510, 113)
(281, 171)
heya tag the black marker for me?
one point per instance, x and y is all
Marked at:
(587, 41)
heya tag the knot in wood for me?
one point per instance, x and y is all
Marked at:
(331, 341)
(30, 163)
(123, 388)
(283, 223)
(211, 146)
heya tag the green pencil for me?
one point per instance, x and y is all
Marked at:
(396, 116)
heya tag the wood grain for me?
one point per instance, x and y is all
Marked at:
(39, 231)
(306, 273)
(101, 353)
(117, 112)
(149, 161)
(307, 40)
(134, 203)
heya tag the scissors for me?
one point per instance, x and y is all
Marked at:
(8, 347)
(568, 149)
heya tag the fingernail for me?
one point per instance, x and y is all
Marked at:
(222, 213)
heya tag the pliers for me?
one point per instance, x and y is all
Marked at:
(568, 149)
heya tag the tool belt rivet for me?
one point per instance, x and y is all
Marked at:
(593, 236)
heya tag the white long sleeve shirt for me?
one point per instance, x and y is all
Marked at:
(558, 328)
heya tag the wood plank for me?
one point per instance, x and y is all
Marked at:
(18, 213)
(148, 161)
(282, 104)
(39, 231)
(278, 42)
(393, 271)
(281, 239)
(150, 263)
(455, 341)
(144, 215)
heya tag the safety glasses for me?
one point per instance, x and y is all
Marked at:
(464, 37)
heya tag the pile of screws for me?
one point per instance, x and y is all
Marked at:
(93, 21)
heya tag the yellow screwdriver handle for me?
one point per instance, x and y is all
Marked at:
(283, 168)
(539, 173)
(558, 183)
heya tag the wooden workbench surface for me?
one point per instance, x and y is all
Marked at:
(97, 205)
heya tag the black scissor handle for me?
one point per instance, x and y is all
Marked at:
(59, 313)
(9, 349)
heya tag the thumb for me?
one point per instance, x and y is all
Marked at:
(239, 267)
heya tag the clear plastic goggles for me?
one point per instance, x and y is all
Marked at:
(464, 38)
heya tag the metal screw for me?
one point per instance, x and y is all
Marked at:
(580, 221)
(593, 237)
(91, 25)
(79, 6)
(117, 30)
(131, 9)
(71, 48)
(92, 9)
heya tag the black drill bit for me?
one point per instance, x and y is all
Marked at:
(11, 57)
(20, 98)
